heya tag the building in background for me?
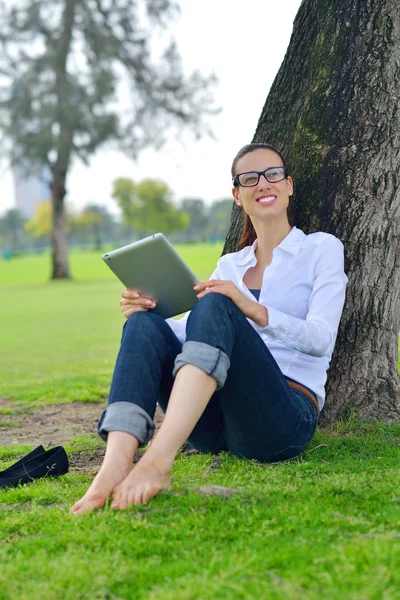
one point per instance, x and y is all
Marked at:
(30, 190)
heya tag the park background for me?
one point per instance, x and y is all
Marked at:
(322, 526)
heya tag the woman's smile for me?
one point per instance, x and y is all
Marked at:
(266, 200)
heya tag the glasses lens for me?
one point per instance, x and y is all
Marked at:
(276, 174)
(248, 179)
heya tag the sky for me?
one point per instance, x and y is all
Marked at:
(244, 44)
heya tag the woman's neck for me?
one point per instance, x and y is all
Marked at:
(269, 237)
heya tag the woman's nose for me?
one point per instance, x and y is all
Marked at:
(263, 183)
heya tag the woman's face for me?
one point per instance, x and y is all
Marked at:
(264, 199)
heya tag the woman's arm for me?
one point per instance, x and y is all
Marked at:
(316, 335)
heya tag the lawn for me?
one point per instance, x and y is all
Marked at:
(325, 525)
(59, 340)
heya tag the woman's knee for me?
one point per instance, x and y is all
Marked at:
(143, 322)
(212, 302)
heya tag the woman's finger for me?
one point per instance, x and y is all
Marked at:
(202, 285)
(214, 290)
(140, 302)
(128, 312)
(130, 294)
(135, 296)
(210, 284)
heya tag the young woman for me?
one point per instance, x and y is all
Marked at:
(243, 371)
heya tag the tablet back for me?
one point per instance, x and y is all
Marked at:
(153, 267)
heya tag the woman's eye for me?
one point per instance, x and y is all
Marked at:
(250, 179)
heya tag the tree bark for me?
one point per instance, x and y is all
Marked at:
(64, 147)
(333, 110)
(59, 237)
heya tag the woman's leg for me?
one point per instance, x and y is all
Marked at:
(148, 350)
(120, 450)
(262, 417)
(142, 376)
(189, 398)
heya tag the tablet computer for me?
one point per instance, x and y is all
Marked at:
(153, 267)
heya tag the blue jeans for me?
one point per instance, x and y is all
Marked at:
(253, 412)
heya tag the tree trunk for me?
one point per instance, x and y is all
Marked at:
(64, 147)
(60, 266)
(333, 110)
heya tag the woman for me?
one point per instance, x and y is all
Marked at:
(245, 370)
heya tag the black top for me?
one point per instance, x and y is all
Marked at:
(255, 293)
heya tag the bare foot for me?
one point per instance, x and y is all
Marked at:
(109, 476)
(144, 482)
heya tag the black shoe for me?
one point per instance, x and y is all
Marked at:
(24, 459)
(42, 464)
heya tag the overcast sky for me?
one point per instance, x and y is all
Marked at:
(244, 43)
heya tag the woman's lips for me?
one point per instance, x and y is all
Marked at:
(266, 200)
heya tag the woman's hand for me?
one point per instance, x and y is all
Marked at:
(133, 302)
(251, 309)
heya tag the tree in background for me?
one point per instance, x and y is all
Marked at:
(219, 218)
(198, 214)
(40, 224)
(94, 223)
(103, 225)
(85, 224)
(147, 206)
(334, 111)
(12, 228)
(62, 64)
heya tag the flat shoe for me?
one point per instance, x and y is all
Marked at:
(44, 464)
(19, 462)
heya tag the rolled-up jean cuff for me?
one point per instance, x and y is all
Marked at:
(127, 417)
(208, 358)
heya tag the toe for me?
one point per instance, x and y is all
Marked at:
(151, 492)
(116, 498)
(138, 497)
(88, 504)
(75, 508)
(119, 501)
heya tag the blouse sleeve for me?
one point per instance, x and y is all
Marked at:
(317, 334)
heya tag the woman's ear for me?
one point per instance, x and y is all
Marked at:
(236, 196)
(290, 185)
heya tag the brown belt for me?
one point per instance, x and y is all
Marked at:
(300, 388)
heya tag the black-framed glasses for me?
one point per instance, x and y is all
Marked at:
(251, 178)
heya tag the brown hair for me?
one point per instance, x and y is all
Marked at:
(248, 232)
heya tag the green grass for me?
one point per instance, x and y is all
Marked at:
(325, 525)
(322, 526)
(59, 339)
(6, 411)
(87, 266)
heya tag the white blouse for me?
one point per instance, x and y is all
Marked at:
(304, 291)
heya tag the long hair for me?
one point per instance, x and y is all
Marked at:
(249, 235)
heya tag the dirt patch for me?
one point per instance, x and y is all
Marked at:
(53, 425)
(49, 425)
(56, 424)
(89, 464)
